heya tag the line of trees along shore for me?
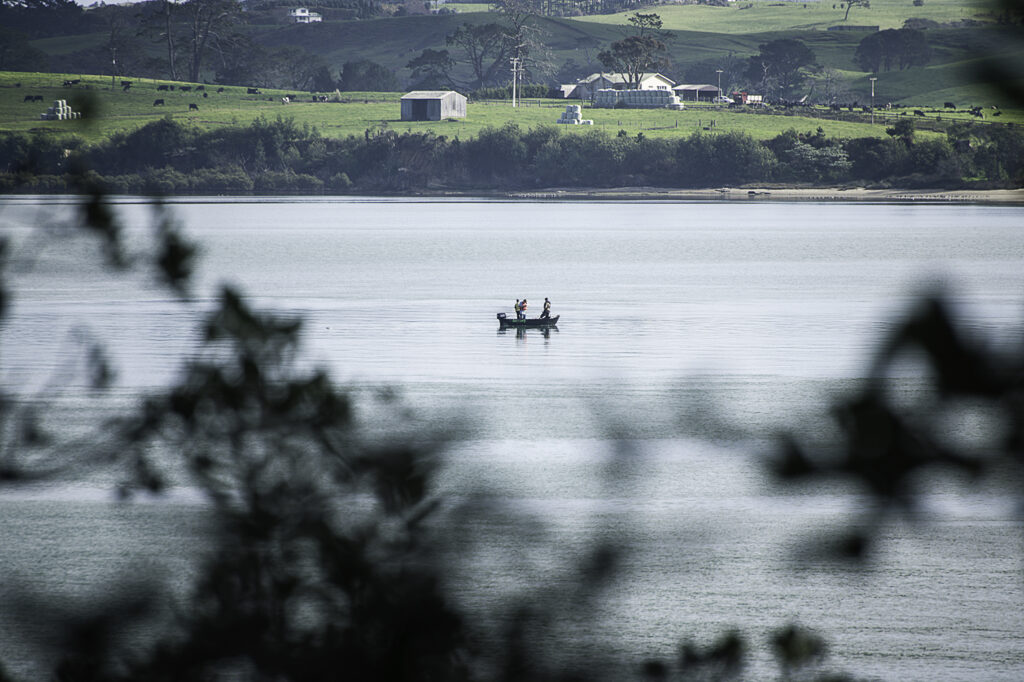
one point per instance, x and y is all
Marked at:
(166, 157)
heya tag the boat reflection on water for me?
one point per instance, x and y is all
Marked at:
(521, 332)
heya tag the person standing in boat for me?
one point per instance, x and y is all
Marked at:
(522, 308)
(516, 308)
(547, 309)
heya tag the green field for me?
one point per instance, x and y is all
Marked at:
(746, 16)
(466, 7)
(118, 111)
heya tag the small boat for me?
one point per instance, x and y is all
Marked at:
(531, 322)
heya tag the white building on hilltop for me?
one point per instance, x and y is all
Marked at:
(302, 15)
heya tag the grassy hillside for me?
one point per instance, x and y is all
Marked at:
(393, 42)
(698, 32)
(117, 111)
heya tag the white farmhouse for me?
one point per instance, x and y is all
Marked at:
(302, 15)
(586, 88)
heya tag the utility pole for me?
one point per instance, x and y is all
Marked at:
(719, 72)
(873, 79)
(113, 66)
(515, 76)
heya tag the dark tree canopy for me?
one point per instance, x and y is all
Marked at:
(485, 48)
(367, 76)
(634, 56)
(902, 48)
(431, 69)
(16, 54)
(777, 66)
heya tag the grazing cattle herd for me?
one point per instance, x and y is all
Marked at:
(836, 108)
(127, 85)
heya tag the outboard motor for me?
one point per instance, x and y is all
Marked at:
(501, 316)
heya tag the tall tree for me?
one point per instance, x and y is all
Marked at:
(777, 65)
(365, 75)
(901, 48)
(161, 25)
(866, 4)
(207, 23)
(432, 69)
(248, 63)
(834, 87)
(632, 57)
(524, 36)
(637, 54)
(486, 48)
(647, 24)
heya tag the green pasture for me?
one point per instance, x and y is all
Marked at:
(762, 16)
(467, 7)
(118, 111)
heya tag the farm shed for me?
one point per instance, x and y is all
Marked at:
(433, 105)
(690, 92)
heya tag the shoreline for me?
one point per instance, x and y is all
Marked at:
(986, 196)
(1004, 197)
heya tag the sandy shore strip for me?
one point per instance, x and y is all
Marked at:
(992, 196)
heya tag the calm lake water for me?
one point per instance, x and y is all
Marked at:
(689, 334)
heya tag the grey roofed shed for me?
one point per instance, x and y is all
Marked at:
(703, 90)
(433, 105)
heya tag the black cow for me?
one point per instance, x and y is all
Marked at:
(28, 98)
(185, 88)
(949, 105)
(68, 84)
(205, 95)
(158, 103)
(162, 88)
(252, 91)
(220, 89)
(918, 112)
(38, 98)
(126, 84)
(193, 106)
(200, 88)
